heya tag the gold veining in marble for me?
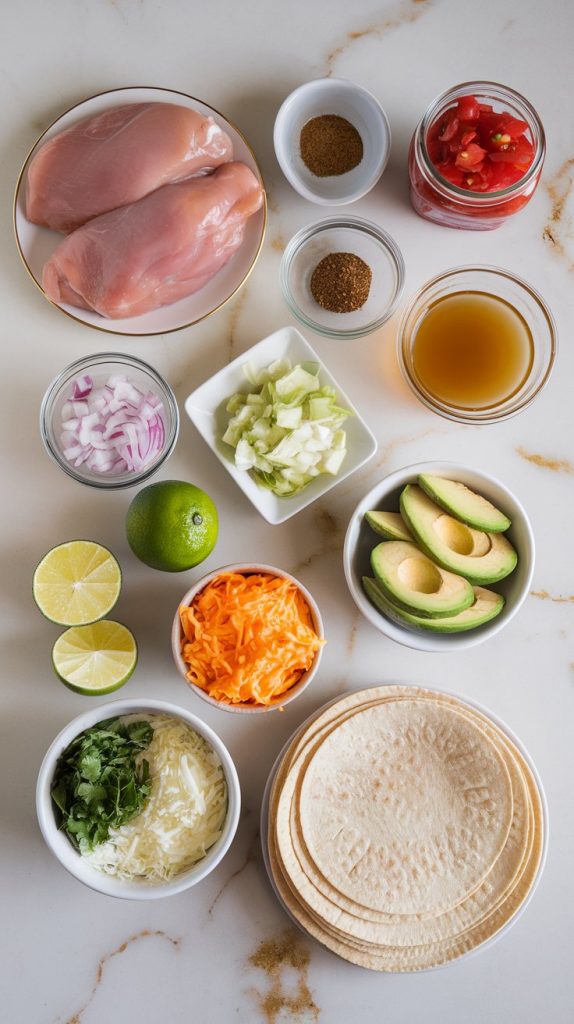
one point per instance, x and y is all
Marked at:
(144, 934)
(277, 957)
(545, 596)
(233, 321)
(353, 633)
(278, 242)
(406, 12)
(560, 227)
(545, 462)
(250, 858)
(331, 535)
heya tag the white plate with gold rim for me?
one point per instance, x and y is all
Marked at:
(36, 244)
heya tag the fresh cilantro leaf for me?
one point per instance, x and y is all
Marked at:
(98, 783)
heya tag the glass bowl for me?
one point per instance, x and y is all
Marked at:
(437, 199)
(101, 367)
(343, 234)
(515, 292)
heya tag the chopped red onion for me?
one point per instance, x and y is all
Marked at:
(112, 428)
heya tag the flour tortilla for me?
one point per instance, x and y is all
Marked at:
(289, 780)
(405, 807)
(344, 914)
(430, 955)
(386, 957)
(420, 957)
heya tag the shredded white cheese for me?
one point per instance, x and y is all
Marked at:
(183, 815)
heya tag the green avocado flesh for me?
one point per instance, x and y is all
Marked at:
(389, 525)
(463, 503)
(412, 581)
(487, 606)
(480, 557)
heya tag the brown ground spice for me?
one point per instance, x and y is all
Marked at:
(330, 145)
(341, 282)
(274, 955)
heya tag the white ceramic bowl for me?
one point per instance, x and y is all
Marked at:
(206, 409)
(69, 857)
(36, 244)
(249, 709)
(360, 540)
(356, 105)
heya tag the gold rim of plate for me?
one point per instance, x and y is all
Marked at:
(109, 330)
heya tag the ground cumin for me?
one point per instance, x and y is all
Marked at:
(341, 282)
(330, 145)
(274, 955)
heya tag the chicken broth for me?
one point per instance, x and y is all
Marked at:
(472, 350)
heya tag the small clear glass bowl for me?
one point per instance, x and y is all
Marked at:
(100, 368)
(503, 285)
(343, 234)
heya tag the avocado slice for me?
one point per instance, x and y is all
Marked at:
(389, 525)
(463, 503)
(480, 557)
(415, 583)
(487, 606)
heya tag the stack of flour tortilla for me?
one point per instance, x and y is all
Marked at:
(405, 828)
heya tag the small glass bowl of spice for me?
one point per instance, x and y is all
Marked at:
(342, 277)
(332, 140)
(109, 420)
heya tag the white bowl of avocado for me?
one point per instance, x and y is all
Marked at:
(439, 556)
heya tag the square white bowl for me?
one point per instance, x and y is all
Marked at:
(206, 410)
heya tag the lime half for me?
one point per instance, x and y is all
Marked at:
(95, 659)
(77, 583)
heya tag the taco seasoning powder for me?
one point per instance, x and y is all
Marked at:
(330, 145)
(341, 282)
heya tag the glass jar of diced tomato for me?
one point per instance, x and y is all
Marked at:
(476, 156)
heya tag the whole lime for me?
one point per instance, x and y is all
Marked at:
(172, 525)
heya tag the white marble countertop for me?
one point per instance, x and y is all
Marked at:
(68, 954)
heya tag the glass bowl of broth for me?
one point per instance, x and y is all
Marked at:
(477, 344)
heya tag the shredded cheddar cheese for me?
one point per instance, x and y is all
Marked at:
(248, 638)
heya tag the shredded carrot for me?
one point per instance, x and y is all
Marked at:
(248, 638)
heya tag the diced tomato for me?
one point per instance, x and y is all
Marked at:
(468, 109)
(449, 130)
(478, 148)
(515, 127)
(470, 157)
(467, 137)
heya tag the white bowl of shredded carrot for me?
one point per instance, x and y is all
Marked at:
(248, 638)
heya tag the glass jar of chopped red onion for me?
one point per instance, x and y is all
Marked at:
(109, 420)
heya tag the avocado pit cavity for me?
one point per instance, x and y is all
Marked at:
(421, 575)
(460, 538)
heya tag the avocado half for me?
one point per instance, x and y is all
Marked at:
(479, 556)
(413, 582)
(389, 525)
(487, 606)
(466, 505)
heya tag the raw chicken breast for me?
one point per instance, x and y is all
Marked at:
(117, 157)
(157, 250)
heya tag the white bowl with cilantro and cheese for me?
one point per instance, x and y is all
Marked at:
(138, 799)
